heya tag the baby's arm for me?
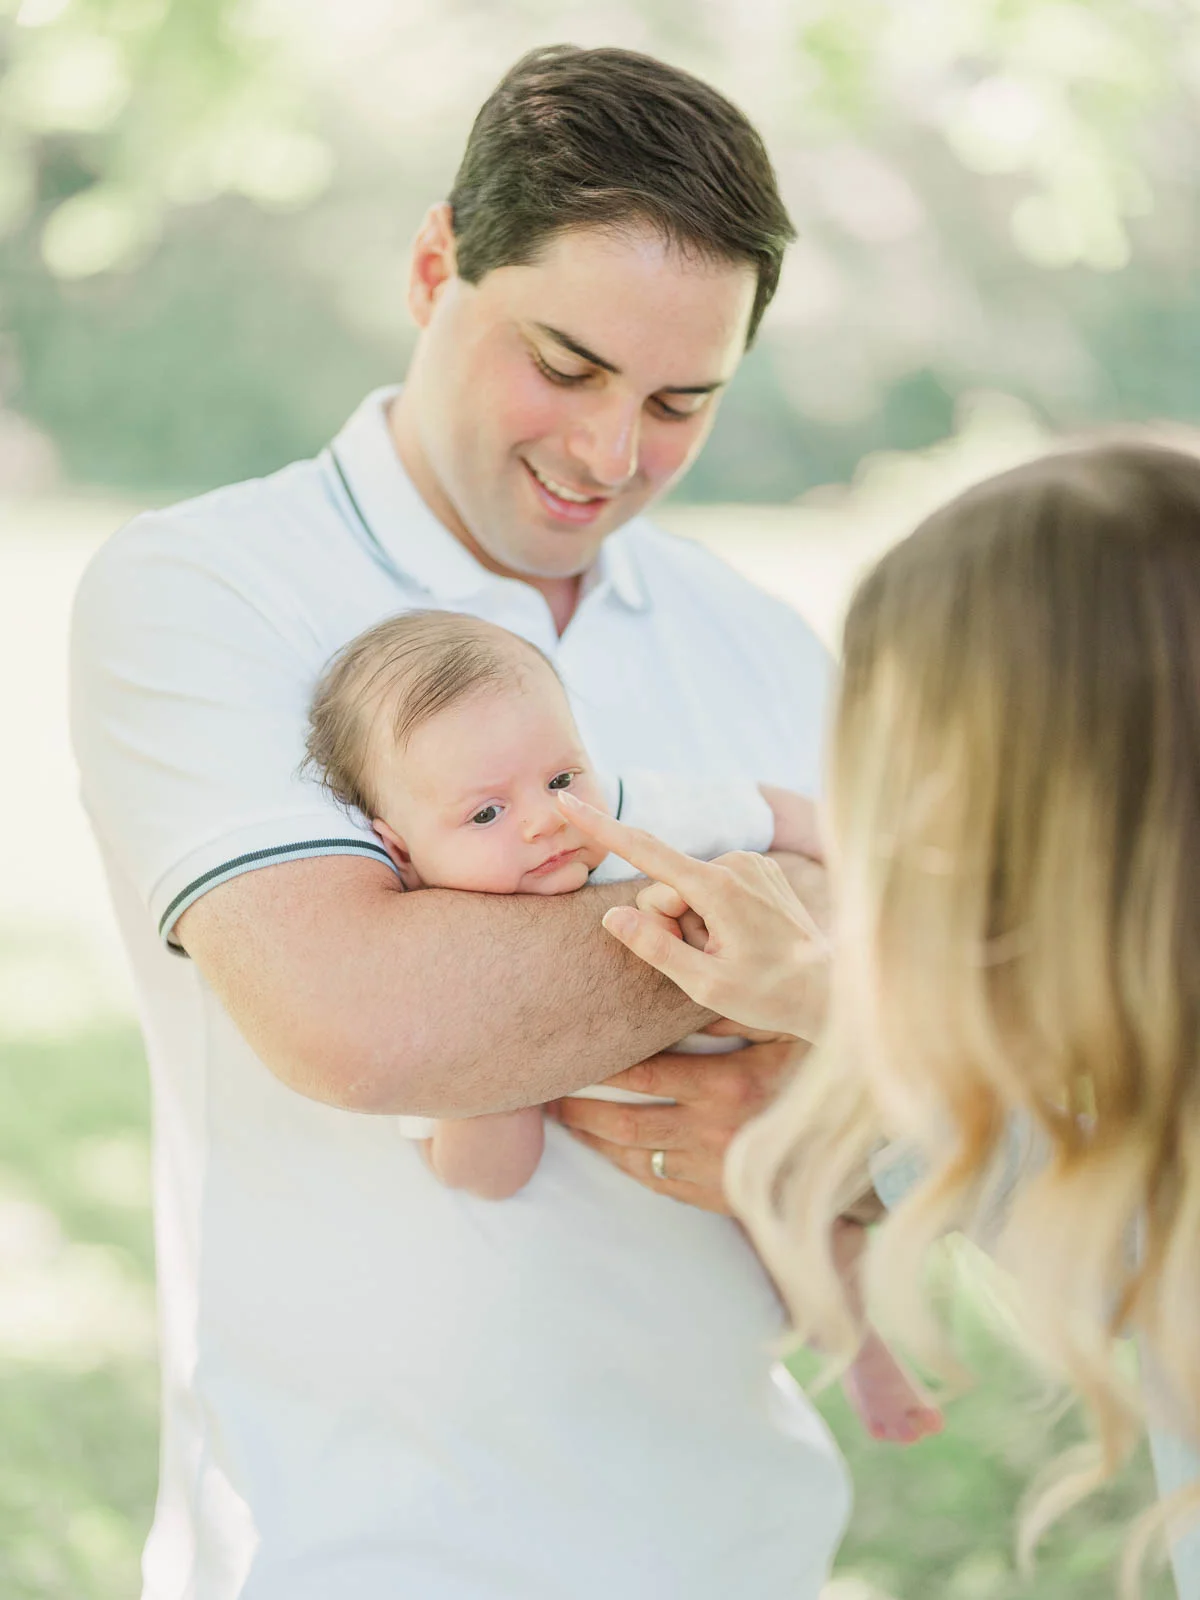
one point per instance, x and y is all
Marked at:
(797, 827)
(706, 817)
(490, 1156)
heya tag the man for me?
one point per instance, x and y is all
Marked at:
(336, 1421)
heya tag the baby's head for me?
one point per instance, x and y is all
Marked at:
(454, 736)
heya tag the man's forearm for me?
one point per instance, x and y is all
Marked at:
(434, 1003)
(525, 998)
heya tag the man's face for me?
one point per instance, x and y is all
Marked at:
(556, 400)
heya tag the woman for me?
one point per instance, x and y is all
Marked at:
(1014, 834)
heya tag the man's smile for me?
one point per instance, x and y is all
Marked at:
(567, 504)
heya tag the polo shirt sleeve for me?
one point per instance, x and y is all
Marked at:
(189, 710)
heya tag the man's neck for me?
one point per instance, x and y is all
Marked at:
(560, 594)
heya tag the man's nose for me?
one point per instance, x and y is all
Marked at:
(607, 439)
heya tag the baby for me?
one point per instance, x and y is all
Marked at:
(455, 737)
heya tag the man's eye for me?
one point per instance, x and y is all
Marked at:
(488, 814)
(673, 414)
(561, 780)
(566, 379)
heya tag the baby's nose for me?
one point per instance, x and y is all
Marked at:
(544, 819)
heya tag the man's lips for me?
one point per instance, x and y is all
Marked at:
(576, 511)
(552, 862)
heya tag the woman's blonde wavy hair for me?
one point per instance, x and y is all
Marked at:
(1015, 833)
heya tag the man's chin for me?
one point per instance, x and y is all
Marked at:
(541, 567)
(555, 554)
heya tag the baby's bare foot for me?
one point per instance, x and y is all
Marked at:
(891, 1404)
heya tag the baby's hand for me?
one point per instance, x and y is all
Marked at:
(797, 827)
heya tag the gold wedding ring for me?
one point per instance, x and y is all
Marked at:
(658, 1164)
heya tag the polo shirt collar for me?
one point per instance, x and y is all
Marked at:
(393, 516)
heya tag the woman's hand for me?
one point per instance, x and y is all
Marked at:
(763, 965)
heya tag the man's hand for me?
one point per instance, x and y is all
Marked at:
(714, 1096)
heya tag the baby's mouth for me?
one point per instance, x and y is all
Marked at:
(551, 862)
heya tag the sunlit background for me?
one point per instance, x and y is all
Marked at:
(205, 207)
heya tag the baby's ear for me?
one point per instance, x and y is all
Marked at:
(398, 851)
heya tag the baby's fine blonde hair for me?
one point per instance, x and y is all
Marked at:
(397, 676)
(1015, 808)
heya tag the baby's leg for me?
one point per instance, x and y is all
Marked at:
(889, 1401)
(491, 1156)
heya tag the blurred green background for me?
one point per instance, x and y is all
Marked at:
(205, 207)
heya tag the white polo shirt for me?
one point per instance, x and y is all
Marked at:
(375, 1387)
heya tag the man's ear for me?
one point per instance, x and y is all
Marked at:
(434, 262)
(397, 850)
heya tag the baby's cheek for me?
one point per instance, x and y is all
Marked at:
(584, 870)
(587, 787)
(593, 856)
(479, 861)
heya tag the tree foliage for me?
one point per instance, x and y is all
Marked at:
(990, 193)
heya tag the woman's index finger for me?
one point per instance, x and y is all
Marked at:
(642, 850)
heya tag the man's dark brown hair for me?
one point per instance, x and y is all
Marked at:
(575, 138)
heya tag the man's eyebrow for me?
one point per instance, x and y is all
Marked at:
(584, 354)
(576, 349)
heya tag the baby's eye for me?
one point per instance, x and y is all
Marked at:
(561, 780)
(488, 814)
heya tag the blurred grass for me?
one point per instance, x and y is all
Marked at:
(938, 1519)
(78, 1387)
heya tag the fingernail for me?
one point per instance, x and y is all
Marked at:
(573, 802)
(619, 920)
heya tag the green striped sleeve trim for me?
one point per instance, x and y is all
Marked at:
(258, 858)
